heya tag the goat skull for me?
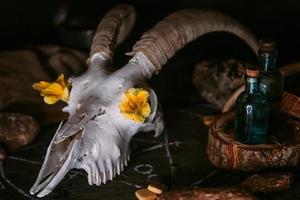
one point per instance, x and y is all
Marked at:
(96, 136)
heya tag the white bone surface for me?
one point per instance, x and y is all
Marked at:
(96, 135)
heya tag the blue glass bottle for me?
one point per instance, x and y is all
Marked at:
(271, 78)
(252, 110)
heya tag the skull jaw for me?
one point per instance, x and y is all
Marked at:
(98, 171)
(48, 179)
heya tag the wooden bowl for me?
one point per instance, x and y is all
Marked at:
(226, 153)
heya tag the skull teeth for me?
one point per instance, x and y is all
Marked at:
(110, 174)
(114, 172)
(126, 160)
(118, 169)
(100, 175)
(128, 157)
(104, 177)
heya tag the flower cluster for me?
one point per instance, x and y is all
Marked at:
(135, 104)
(55, 91)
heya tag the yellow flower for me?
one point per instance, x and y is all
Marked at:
(135, 104)
(53, 92)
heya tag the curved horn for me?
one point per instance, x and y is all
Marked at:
(175, 31)
(112, 30)
(232, 99)
(286, 71)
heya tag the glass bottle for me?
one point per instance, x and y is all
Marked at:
(271, 79)
(252, 110)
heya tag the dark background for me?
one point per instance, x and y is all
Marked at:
(23, 22)
(34, 22)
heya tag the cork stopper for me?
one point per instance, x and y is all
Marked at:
(252, 72)
(267, 45)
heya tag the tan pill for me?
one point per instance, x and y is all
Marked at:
(145, 194)
(157, 188)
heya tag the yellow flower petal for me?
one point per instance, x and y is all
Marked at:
(145, 112)
(65, 95)
(138, 118)
(143, 96)
(53, 89)
(125, 107)
(134, 104)
(40, 85)
(51, 99)
(128, 115)
(130, 96)
(132, 91)
(61, 80)
(134, 117)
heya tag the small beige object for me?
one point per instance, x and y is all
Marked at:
(157, 188)
(145, 194)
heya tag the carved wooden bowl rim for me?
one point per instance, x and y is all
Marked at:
(226, 153)
(220, 123)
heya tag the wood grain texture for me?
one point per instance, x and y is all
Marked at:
(227, 153)
(221, 193)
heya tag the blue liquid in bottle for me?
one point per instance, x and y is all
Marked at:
(271, 79)
(252, 110)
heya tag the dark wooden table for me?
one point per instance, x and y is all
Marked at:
(177, 158)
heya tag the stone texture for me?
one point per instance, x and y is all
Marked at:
(17, 130)
(224, 193)
(266, 183)
(216, 80)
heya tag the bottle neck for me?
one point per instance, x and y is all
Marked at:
(267, 60)
(252, 84)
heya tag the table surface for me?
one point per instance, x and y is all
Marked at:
(177, 158)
